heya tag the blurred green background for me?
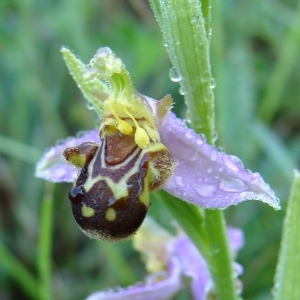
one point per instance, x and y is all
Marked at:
(256, 63)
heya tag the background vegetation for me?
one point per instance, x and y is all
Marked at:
(255, 61)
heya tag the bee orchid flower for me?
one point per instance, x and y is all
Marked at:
(140, 146)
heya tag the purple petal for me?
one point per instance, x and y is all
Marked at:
(193, 265)
(236, 238)
(205, 176)
(52, 167)
(153, 289)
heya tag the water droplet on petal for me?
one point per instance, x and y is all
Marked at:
(232, 185)
(213, 155)
(199, 142)
(178, 180)
(231, 163)
(175, 75)
(194, 156)
(205, 190)
(189, 134)
(203, 137)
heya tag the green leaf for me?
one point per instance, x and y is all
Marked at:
(275, 148)
(10, 263)
(288, 54)
(287, 276)
(184, 30)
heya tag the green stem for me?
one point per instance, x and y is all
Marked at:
(45, 244)
(186, 34)
(206, 11)
(18, 272)
(220, 261)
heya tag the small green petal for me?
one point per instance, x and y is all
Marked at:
(87, 84)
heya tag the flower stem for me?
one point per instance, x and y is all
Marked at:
(186, 28)
(220, 260)
(184, 31)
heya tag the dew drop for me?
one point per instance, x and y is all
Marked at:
(182, 90)
(189, 134)
(213, 155)
(215, 136)
(179, 181)
(205, 190)
(199, 142)
(188, 117)
(76, 194)
(111, 200)
(175, 76)
(213, 83)
(232, 185)
(198, 123)
(203, 137)
(194, 156)
(233, 163)
(90, 106)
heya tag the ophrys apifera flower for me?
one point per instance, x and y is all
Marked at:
(140, 146)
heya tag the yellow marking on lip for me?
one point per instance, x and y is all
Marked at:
(87, 212)
(111, 214)
(119, 189)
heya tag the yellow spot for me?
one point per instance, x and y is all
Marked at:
(111, 214)
(79, 160)
(87, 212)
